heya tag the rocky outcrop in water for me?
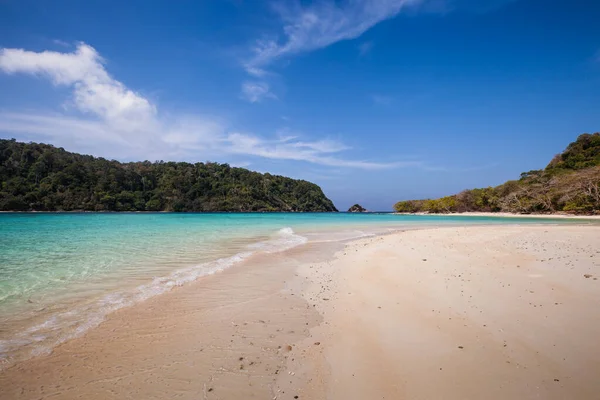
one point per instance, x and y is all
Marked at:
(357, 208)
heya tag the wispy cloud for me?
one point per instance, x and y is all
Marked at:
(106, 118)
(364, 48)
(256, 72)
(308, 28)
(256, 91)
(61, 43)
(314, 152)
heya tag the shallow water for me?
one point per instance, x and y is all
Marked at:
(62, 273)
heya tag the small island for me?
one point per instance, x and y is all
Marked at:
(357, 208)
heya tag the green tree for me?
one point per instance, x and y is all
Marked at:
(45, 178)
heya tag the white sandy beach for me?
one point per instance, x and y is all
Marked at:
(500, 312)
(456, 313)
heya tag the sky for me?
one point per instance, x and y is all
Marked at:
(374, 100)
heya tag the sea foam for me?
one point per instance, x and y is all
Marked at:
(60, 327)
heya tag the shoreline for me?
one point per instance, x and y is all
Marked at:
(506, 215)
(38, 326)
(223, 336)
(322, 318)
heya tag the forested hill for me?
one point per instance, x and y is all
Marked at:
(570, 183)
(42, 177)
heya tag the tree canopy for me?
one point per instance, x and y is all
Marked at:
(42, 177)
(570, 183)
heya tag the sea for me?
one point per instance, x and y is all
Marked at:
(62, 274)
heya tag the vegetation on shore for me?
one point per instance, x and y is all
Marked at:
(42, 177)
(570, 183)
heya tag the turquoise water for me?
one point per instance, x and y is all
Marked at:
(61, 274)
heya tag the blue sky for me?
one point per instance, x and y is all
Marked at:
(376, 101)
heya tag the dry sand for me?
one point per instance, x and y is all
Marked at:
(448, 313)
(456, 313)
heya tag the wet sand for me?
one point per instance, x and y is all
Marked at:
(455, 313)
(225, 336)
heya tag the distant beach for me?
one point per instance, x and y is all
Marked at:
(509, 215)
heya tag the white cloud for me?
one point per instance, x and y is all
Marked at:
(191, 139)
(113, 121)
(322, 24)
(256, 91)
(94, 90)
